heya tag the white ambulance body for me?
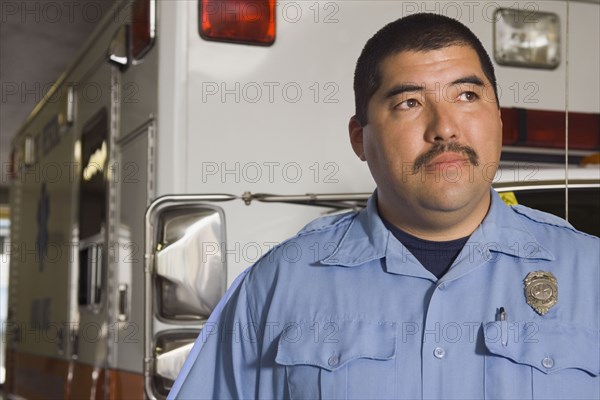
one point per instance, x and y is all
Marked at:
(95, 303)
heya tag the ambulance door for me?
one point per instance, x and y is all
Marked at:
(95, 120)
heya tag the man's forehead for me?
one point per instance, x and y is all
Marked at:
(414, 66)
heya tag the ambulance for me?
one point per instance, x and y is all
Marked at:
(189, 137)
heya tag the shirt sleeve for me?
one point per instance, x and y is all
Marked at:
(227, 361)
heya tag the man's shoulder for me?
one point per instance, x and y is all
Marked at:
(290, 265)
(328, 223)
(311, 244)
(543, 220)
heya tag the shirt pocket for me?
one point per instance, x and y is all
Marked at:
(339, 359)
(541, 360)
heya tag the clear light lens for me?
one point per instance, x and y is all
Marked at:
(171, 350)
(526, 38)
(190, 270)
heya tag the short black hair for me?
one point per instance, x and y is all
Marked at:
(416, 32)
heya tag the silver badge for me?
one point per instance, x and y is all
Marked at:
(541, 291)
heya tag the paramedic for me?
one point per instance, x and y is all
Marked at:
(437, 289)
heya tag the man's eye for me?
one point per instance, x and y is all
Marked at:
(468, 96)
(406, 104)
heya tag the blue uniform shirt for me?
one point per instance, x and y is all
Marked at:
(343, 310)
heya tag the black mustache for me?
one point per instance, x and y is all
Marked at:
(440, 148)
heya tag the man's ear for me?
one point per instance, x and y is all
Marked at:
(356, 137)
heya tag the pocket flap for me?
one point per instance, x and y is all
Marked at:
(546, 346)
(331, 344)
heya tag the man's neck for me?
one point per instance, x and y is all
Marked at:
(436, 225)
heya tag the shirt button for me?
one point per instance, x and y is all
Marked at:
(439, 352)
(547, 362)
(333, 361)
(442, 286)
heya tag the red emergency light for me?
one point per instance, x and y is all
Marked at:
(143, 27)
(238, 21)
(542, 128)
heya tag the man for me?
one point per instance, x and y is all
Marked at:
(437, 289)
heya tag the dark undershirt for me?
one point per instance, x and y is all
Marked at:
(436, 257)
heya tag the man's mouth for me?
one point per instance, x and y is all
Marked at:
(446, 159)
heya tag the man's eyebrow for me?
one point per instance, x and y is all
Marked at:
(471, 79)
(410, 87)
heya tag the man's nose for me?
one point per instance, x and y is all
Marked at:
(442, 123)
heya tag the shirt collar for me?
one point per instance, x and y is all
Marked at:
(501, 231)
(365, 239)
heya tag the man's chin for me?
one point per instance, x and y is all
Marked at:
(451, 199)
